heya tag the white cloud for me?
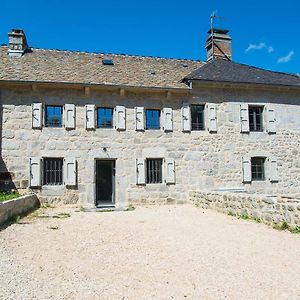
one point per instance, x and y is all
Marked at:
(286, 58)
(256, 47)
(270, 49)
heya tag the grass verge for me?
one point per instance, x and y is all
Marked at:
(4, 196)
(281, 226)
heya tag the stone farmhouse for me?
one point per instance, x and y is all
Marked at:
(109, 130)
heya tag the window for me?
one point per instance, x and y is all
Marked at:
(197, 113)
(152, 119)
(53, 171)
(258, 168)
(154, 170)
(107, 62)
(256, 118)
(53, 116)
(105, 117)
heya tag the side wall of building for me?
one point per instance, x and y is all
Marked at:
(203, 160)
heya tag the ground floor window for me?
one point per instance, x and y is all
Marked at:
(53, 171)
(258, 168)
(154, 170)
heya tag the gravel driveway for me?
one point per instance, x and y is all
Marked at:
(166, 252)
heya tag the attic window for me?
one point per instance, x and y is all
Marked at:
(107, 62)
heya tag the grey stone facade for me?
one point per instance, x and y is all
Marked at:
(203, 160)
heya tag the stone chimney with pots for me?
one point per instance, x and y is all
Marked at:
(17, 43)
(218, 44)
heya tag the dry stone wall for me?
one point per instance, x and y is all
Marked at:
(270, 209)
(203, 160)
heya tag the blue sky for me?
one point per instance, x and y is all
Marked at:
(265, 33)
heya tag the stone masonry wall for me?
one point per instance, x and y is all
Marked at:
(203, 160)
(269, 209)
(16, 207)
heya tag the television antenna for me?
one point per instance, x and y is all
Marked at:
(213, 16)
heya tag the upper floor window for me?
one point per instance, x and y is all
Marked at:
(258, 168)
(152, 119)
(104, 117)
(256, 118)
(53, 171)
(197, 115)
(53, 116)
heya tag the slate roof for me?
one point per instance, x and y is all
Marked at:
(40, 65)
(219, 70)
(58, 66)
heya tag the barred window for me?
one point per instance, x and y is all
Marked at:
(105, 117)
(152, 119)
(258, 168)
(53, 116)
(197, 114)
(256, 118)
(53, 171)
(154, 171)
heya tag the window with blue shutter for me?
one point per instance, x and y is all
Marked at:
(104, 117)
(53, 116)
(152, 119)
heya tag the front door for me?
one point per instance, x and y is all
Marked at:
(105, 182)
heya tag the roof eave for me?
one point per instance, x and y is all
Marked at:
(94, 85)
(228, 84)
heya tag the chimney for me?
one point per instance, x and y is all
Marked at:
(17, 43)
(218, 44)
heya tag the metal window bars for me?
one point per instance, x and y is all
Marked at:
(53, 171)
(154, 170)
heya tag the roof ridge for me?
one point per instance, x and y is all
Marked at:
(113, 54)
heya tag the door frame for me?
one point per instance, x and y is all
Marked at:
(113, 202)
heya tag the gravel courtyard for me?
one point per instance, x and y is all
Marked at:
(166, 252)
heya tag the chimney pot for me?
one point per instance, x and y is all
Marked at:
(218, 44)
(17, 43)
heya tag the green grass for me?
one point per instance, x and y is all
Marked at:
(4, 196)
(286, 226)
(130, 207)
(282, 226)
(244, 217)
(295, 229)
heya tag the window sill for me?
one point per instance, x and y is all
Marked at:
(105, 128)
(53, 190)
